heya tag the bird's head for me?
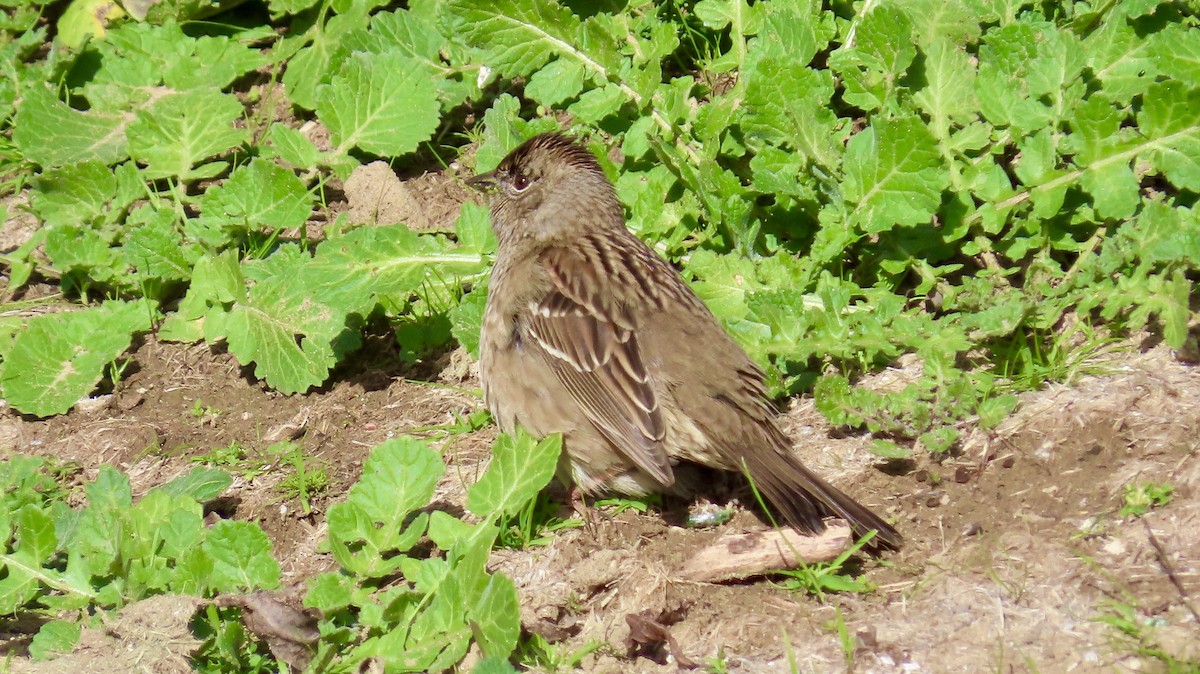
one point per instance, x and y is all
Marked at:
(549, 187)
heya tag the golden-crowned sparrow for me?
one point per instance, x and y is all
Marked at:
(589, 333)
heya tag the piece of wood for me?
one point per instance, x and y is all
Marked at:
(742, 555)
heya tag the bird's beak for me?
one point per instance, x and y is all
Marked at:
(484, 182)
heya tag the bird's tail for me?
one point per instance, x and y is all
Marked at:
(803, 498)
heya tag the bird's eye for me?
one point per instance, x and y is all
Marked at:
(521, 182)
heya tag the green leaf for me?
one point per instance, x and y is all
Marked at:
(1002, 84)
(894, 175)
(180, 130)
(280, 327)
(520, 467)
(494, 666)
(384, 104)
(949, 95)
(1176, 52)
(519, 36)
(155, 248)
(58, 358)
(54, 638)
(293, 147)
(398, 478)
(495, 618)
(1120, 58)
(201, 484)
(329, 592)
(315, 64)
(73, 194)
(872, 64)
(596, 104)
(1170, 118)
(50, 133)
(789, 104)
(216, 283)
(954, 21)
(241, 555)
(355, 270)
(555, 83)
(888, 450)
(466, 320)
(258, 195)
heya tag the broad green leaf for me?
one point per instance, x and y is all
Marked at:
(495, 618)
(137, 57)
(793, 31)
(241, 555)
(398, 478)
(1176, 52)
(58, 358)
(1002, 84)
(50, 133)
(384, 104)
(329, 592)
(494, 666)
(952, 21)
(292, 147)
(888, 450)
(213, 61)
(466, 320)
(355, 270)
(788, 104)
(596, 104)
(1170, 120)
(314, 65)
(520, 467)
(35, 533)
(894, 174)
(875, 58)
(183, 530)
(258, 195)
(555, 83)
(1164, 235)
(201, 484)
(216, 283)
(54, 638)
(1120, 58)
(949, 95)
(155, 248)
(521, 36)
(723, 282)
(74, 194)
(179, 131)
(280, 327)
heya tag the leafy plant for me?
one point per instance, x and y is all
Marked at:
(533, 524)
(817, 579)
(72, 562)
(1133, 633)
(534, 652)
(1141, 497)
(426, 620)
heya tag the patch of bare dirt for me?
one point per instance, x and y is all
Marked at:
(378, 196)
(1014, 548)
(152, 635)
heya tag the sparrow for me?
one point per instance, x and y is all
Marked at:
(589, 333)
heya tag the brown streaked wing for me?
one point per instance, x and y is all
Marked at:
(594, 351)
